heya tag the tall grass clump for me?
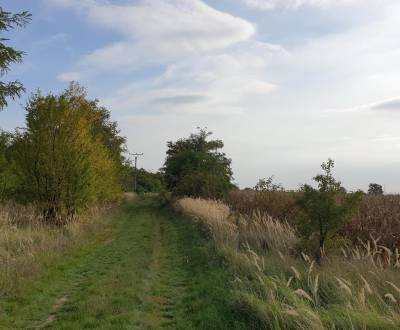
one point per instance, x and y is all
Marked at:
(28, 245)
(284, 288)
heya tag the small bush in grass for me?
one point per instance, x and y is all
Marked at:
(326, 209)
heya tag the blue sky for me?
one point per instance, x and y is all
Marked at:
(285, 83)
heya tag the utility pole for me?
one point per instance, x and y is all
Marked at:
(136, 155)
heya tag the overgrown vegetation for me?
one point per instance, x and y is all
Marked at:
(29, 247)
(284, 288)
(377, 216)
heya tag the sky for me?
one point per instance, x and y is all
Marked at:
(286, 84)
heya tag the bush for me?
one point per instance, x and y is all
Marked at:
(327, 208)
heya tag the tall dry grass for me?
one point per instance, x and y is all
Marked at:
(378, 216)
(284, 289)
(277, 204)
(27, 245)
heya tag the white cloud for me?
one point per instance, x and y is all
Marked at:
(212, 64)
(265, 101)
(392, 104)
(69, 76)
(292, 4)
(158, 31)
(218, 84)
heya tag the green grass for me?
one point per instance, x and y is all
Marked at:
(153, 271)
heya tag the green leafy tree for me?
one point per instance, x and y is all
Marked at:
(62, 159)
(8, 179)
(375, 189)
(148, 182)
(326, 208)
(195, 166)
(9, 55)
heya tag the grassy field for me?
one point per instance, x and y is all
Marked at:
(148, 269)
(284, 288)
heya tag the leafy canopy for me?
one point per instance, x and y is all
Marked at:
(8, 179)
(195, 166)
(65, 157)
(9, 55)
(375, 189)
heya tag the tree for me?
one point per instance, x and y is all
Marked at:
(62, 157)
(268, 184)
(8, 180)
(196, 167)
(327, 208)
(146, 182)
(375, 189)
(9, 55)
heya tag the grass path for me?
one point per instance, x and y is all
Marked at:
(154, 271)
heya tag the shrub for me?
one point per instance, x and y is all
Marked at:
(327, 208)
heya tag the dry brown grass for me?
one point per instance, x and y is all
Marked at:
(259, 232)
(360, 290)
(26, 243)
(214, 215)
(378, 216)
(277, 204)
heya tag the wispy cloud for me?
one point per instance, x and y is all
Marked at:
(293, 4)
(390, 105)
(211, 61)
(202, 66)
(158, 31)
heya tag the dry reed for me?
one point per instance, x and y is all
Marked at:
(359, 290)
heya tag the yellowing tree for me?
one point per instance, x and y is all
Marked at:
(62, 160)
